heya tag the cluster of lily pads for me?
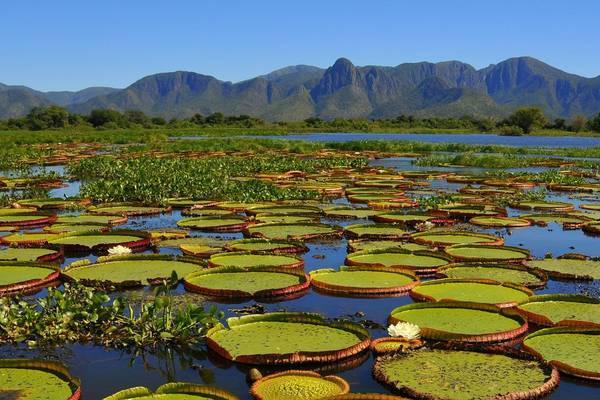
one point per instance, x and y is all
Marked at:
(475, 300)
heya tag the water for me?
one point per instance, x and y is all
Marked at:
(105, 371)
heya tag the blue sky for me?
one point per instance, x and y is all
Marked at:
(58, 45)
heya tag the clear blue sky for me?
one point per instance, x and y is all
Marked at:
(54, 45)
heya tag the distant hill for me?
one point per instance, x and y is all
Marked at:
(422, 89)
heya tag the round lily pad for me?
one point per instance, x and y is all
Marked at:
(469, 211)
(593, 206)
(197, 241)
(561, 309)
(500, 222)
(129, 270)
(187, 202)
(399, 217)
(29, 254)
(94, 241)
(265, 246)
(286, 219)
(371, 245)
(239, 206)
(375, 231)
(298, 385)
(251, 260)
(568, 220)
(573, 350)
(465, 375)
(592, 227)
(237, 282)
(199, 250)
(565, 268)
(206, 212)
(361, 281)
(284, 209)
(23, 379)
(513, 273)
(126, 209)
(23, 220)
(294, 231)
(75, 228)
(423, 262)
(86, 219)
(545, 205)
(284, 338)
(349, 212)
(28, 239)
(174, 391)
(473, 252)
(449, 238)
(461, 321)
(56, 203)
(471, 290)
(18, 277)
(214, 224)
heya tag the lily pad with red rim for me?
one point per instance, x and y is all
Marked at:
(298, 385)
(364, 281)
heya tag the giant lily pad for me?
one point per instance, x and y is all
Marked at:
(449, 238)
(29, 219)
(265, 246)
(466, 375)
(298, 385)
(363, 281)
(16, 277)
(424, 262)
(284, 209)
(214, 224)
(568, 220)
(129, 270)
(545, 205)
(573, 350)
(94, 241)
(512, 273)
(371, 245)
(294, 231)
(251, 260)
(87, 219)
(174, 391)
(283, 338)
(565, 268)
(56, 203)
(207, 212)
(197, 241)
(500, 222)
(126, 209)
(75, 228)
(399, 217)
(29, 239)
(461, 321)
(285, 218)
(375, 231)
(349, 212)
(471, 290)
(473, 252)
(22, 379)
(238, 282)
(561, 309)
(29, 254)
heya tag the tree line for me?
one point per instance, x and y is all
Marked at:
(522, 121)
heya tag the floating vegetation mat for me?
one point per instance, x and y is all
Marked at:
(466, 375)
(298, 385)
(283, 338)
(561, 309)
(361, 281)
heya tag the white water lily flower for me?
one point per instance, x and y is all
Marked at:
(119, 250)
(406, 330)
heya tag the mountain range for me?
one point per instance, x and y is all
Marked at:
(343, 90)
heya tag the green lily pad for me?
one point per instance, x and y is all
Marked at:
(419, 261)
(374, 245)
(86, 241)
(298, 385)
(28, 239)
(185, 203)
(25, 219)
(573, 350)
(24, 276)
(240, 283)
(468, 322)
(285, 219)
(465, 375)
(56, 203)
(251, 260)
(294, 231)
(198, 241)
(471, 290)
(375, 231)
(516, 274)
(207, 212)
(399, 217)
(125, 209)
(349, 212)
(223, 224)
(561, 309)
(545, 205)
(472, 252)
(284, 210)
(546, 218)
(265, 246)
(500, 222)
(449, 238)
(278, 338)
(174, 391)
(88, 219)
(74, 228)
(28, 254)
(22, 379)
(17, 211)
(568, 268)
(363, 280)
(130, 270)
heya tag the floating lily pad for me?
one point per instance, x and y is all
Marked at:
(284, 210)
(372, 245)
(28, 239)
(56, 203)
(239, 207)
(129, 270)
(466, 375)
(512, 273)
(399, 217)
(174, 391)
(285, 219)
(266, 246)
(573, 350)
(75, 228)
(359, 281)
(94, 241)
(206, 212)
(17, 211)
(592, 227)
(470, 211)
(561, 309)
(185, 203)
(449, 238)
(199, 250)
(16, 277)
(278, 338)
(126, 209)
(238, 282)
(565, 219)
(22, 379)
(214, 224)
(28, 219)
(473, 252)
(198, 241)
(166, 234)
(460, 321)
(545, 205)
(29, 254)
(564, 268)
(471, 290)
(375, 231)
(298, 385)
(251, 260)
(349, 212)
(294, 231)
(593, 207)
(500, 222)
(418, 261)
